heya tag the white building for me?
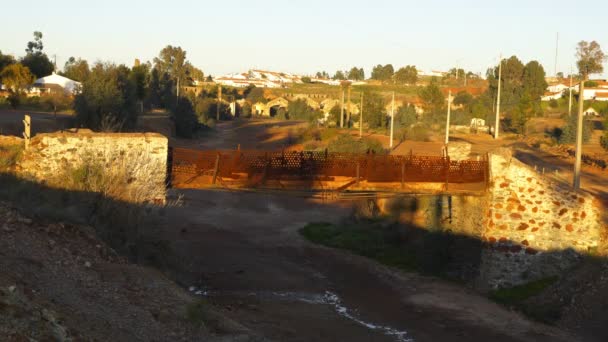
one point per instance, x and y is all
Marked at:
(53, 81)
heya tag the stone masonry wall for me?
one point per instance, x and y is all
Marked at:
(535, 227)
(141, 156)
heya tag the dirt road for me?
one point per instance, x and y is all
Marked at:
(242, 251)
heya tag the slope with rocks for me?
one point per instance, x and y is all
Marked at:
(59, 282)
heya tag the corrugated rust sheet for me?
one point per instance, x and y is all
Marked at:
(315, 164)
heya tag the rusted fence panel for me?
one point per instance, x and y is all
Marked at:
(319, 164)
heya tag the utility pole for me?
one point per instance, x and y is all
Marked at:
(177, 92)
(497, 124)
(570, 99)
(576, 184)
(392, 119)
(219, 102)
(361, 118)
(342, 110)
(348, 107)
(556, 47)
(447, 122)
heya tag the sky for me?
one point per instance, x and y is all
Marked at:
(306, 36)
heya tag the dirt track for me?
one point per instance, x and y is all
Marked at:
(243, 250)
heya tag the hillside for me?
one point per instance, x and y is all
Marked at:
(59, 282)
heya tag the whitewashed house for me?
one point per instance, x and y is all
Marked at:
(55, 82)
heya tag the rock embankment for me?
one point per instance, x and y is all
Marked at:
(59, 282)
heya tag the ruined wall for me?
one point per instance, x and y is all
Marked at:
(527, 226)
(141, 157)
(534, 227)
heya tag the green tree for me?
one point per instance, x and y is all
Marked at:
(406, 116)
(193, 73)
(108, 99)
(76, 69)
(339, 75)
(140, 77)
(256, 95)
(6, 60)
(300, 110)
(567, 134)
(356, 74)
(172, 61)
(375, 113)
(463, 99)
(534, 85)
(454, 72)
(16, 77)
(186, 121)
(590, 58)
(406, 75)
(306, 79)
(383, 73)
(36, 60)
(433, 99)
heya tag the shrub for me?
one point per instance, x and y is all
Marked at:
(553, 103)
(415, 133)
(604, 141)
(568, 132)
(347, 144)
(107, 93)
(300, 110)
(9, 155)
(186, 122)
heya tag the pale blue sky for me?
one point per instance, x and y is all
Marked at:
(307, 36)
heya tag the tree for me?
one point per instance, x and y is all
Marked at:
(56, 101)
(339, 75)
(356, 74)
(16, 77)
(256, 95)
(456, 73)
(36, 60)
(383, 73)
(186, 121)
(300, 110)
(322, 75)
(406, 75)
(589, 58)
(463, 99)
(6, 60)
(172, 61)
(406, 116)
(108, 99)
(194, 73)
(375, 113)
(533, 80)
(306, 79)
(76, 69)
(432, 98)
(140, 76)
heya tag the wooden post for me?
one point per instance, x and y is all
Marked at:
(216, 169)
(27, 131)
(447, 122)
(358, 172)
(219, 102)
(348, 108)
(361, 118)
(447, 170)
(342, 110)
(576, 182)
(402, 173)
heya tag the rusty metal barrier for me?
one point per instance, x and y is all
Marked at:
(304, 165)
